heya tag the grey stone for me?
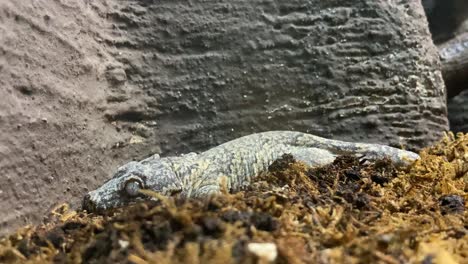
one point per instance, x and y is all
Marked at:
(458, 107)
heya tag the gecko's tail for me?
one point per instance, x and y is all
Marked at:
(370, 151)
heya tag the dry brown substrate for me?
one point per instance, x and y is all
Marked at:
(352, 211)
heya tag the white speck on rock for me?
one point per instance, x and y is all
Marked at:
(123, 244)
(136, 140)
(266, 251)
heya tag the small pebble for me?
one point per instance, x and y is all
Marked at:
(266, 251)
(123, 244)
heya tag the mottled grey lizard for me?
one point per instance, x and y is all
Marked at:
(237, 161)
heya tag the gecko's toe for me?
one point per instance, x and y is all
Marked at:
(88, 204)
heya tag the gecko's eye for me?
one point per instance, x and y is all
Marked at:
(132, 187)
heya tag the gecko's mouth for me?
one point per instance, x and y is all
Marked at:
(95, 203)
(88, 204)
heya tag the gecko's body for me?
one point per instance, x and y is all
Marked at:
(237, 161)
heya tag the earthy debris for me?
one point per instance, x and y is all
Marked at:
(351, 211)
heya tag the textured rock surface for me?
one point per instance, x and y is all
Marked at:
(458, 107)
(54, 142)
(209, 72)
(89, 85)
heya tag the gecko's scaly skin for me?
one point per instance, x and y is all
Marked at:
(237, 161)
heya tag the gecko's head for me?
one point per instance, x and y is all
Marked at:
(154, 173)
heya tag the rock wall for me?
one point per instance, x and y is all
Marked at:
(207, 72)
(54, 142)
(89, 85)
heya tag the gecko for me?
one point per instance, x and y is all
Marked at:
(238, 162)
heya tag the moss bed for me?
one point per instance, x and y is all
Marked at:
(351, 211)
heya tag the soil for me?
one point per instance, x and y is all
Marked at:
(90, 85)
(351, 211)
